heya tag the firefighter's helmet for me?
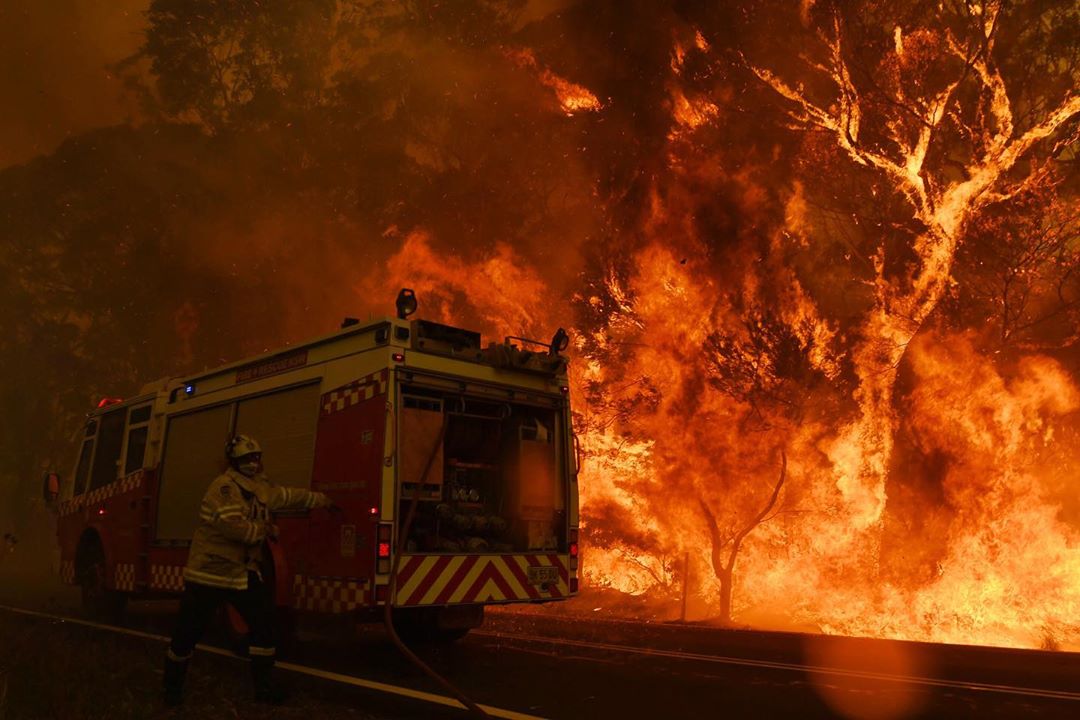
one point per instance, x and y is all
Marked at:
(241, 445)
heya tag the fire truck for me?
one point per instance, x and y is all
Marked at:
(395, 419)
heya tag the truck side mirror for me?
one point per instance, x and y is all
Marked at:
(50, 487)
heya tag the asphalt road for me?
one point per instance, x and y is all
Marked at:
(588, 668)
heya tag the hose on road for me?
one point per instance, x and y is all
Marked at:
(452, 689)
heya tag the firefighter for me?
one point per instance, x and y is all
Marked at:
(224, 565)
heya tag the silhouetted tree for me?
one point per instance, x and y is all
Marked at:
(725, 542)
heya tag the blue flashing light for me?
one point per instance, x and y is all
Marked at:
(189, 389)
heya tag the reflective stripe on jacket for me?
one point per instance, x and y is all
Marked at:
(233, 520)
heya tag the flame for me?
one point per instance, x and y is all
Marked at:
(498, 293)
(998, 528)
(691, 115)
(930, 505)
(572, 97)
(789, 403)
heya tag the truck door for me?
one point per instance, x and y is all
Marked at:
(348, 466)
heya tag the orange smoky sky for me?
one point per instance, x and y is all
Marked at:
(55, 80)
(55, 60)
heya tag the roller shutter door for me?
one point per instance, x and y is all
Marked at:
(194, 456)
(284, 424)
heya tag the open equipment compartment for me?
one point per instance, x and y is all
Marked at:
(497, 481)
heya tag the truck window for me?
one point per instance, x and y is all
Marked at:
(284, 424)
(139, 415)
(138, 426)
(109, 441)
(82, 470)
(136, 449)
(193, 457)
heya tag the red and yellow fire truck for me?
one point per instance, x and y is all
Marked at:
(359, 414)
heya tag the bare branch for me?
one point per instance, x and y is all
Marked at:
(716, 543)
(749, 527)
(844, 128)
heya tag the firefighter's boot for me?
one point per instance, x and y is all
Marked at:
(267, 689)
(175, 671)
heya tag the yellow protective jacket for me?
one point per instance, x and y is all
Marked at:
(233, 522)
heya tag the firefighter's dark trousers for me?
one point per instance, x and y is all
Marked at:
(197, 608)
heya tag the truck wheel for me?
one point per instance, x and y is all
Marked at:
(436, 625)
(440, 636)
(414, 625)
(98, 602)
(454, 622)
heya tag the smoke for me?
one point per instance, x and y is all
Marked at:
(58, 82)
(740, 281)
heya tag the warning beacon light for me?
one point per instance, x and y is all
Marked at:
(406, 303)
(559, 341)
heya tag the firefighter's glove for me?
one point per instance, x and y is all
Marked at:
(322, 500)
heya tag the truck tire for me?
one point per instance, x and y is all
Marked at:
(439, 636)
(437, 626)
(98, 602)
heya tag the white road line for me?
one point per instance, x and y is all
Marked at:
(813, 669)
(302, 669)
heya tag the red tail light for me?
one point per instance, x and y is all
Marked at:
(398, 357)
(574, 548)
(383, 547)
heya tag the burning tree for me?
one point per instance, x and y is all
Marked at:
(902, 131)
(1020, 267)
(802, 253)
(770, 372)
(725, 547)
(932, 121)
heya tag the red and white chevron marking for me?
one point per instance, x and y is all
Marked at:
(124, 577)
(121, 486)
(167, 577)
(451, 579)
(329, 595)
(67, 572)
(346, 396)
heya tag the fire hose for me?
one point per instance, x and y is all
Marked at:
(464, 699)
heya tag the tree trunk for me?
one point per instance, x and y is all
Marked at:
(724, 569)
(864, 449)
(725, 578)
